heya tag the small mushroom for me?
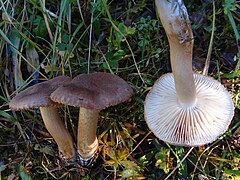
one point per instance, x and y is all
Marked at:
(38, 96)
(92, 93)
(183, 108)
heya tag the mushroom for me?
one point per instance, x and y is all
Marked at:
(38, 96)
(92, 93)
(183, 108)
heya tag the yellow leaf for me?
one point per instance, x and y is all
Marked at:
(110, 162)
(110, 152)
(129, 164)
(122, 153)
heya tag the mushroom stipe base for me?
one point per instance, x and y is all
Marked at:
(87, 163)
(194, 125)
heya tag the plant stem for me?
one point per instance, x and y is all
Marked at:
(57, 129)
(87, 142)
(207, 62)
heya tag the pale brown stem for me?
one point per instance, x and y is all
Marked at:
(57, 129)
(181, 63)
(174, 17)
(87, 142)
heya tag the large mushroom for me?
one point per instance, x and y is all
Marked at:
(92, 93)
(183, 108)
(38, 96)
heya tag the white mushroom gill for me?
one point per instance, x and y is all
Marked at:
(193, 125)
(183, 108)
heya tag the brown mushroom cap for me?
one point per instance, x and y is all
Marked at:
(93, 91)
(184, 125)
(38, 95)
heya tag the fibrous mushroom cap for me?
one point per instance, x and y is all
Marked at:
(181, 125)
(93, 91)
(38, 95)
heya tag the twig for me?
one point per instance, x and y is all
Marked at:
(69, 18)
(179, 164)
(80, 11)
(139, 143)
(105, 59)
(46, 21)
(49, 171)
(207, 62)
(90, 42)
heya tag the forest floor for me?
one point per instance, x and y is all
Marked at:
(40, 40)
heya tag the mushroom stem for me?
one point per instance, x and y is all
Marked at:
(57, 129)
(174, 17)
(87, 142)
(181, 63)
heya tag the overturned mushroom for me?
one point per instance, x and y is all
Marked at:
(38, 96)
(183, 108)
(92, 93)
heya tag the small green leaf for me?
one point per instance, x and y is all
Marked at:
(23, 174)
(122, 28)
(229, 5)
(129, 164)
(69, 47)
(8, 116)
(131, 30)
(143, 42)
(3, 167)
(118, 55)
(138, 99)
(162, 159)
(49, 68)
(39, 25)
(114, 64)
(65, 38)
(233, 172)
(46, 150)
(182, 170)
(235, 154)
(62, 47)
(232, 75)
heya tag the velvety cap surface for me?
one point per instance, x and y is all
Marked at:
(93, 91)
(197, 125)
(38, 95)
